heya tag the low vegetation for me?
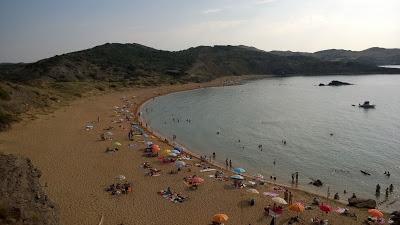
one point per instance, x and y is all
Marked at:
(51, 82)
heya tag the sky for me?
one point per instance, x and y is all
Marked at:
(31, 30)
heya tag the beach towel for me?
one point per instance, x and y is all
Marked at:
(207, 170)
(340, 210)
(271, 194)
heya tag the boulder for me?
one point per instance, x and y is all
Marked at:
(362, 203)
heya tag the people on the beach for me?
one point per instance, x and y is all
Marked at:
(391, 188)
(297, 177)
(226, 162)
(230, 163)
(378, 190)
(290, 197)
(286, 195)
(213, 155)
(336, 196)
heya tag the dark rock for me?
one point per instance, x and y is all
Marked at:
(335, 83)
(362, 203)
(338, 83)
(22, 200)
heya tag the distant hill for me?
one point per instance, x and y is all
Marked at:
(53, 80)
(133, 62)
(374, 56)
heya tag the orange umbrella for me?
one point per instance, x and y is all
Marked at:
(375, 213)
(220, 218)
(297, 207)
(155, 148)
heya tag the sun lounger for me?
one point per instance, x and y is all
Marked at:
(207, 170)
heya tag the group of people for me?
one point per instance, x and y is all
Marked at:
(295, 177)
(119, 188)
(288, 196)
(151, 171)
(388, 190)
(172, 196)
(228, 163)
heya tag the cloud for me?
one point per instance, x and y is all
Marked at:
(261, 2)
(208, 11)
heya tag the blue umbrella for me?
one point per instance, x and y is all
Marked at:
(176, 152)
(178, 148)
(239, 170)
(237, 177)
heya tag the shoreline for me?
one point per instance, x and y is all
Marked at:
(75, 168)
(214, 163)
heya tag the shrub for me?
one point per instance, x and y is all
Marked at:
(4, 95)
(5, 120)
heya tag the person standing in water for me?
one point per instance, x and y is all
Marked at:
(230, 163)
(226, 162)
(297, 177)
(378, 190)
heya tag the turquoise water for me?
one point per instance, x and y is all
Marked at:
(294, 109)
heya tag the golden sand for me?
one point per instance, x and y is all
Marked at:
(76, 170)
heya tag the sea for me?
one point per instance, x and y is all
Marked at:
(328, 137)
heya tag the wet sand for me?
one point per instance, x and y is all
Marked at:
(76, 170)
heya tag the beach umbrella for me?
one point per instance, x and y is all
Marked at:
(239, 170)
(375, 213)
(108, 133)
(178, 148)
(117, 143)
(173, 154)
(180, 164)
(120, 177)
(166, 152)
(149, 143)
(176, 152)
(325, 208)
(253, 191)
(155, 148)
(297, 207)
(197, 180)
(220, 218)
(279, 200)
(237, 177)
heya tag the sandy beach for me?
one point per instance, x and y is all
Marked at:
(76, 170)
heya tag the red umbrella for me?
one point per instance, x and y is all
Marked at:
(325, 208)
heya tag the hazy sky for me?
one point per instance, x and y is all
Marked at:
(34, 29)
